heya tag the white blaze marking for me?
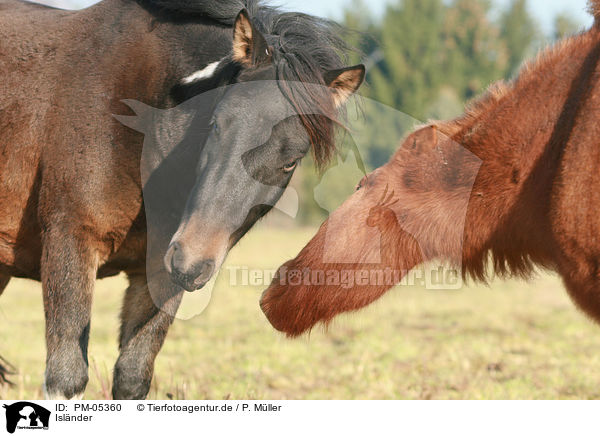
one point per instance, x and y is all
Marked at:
(204, 73)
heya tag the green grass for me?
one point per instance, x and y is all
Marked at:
(512, 340)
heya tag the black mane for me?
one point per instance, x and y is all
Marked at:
(295, 33)
(223, 11)
(305, 47)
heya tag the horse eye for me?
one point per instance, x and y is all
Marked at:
(361, 183)
(290, 167)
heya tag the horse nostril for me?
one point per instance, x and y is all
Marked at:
(185, 274)
(172, 257)
(204, 272)
(208, 267)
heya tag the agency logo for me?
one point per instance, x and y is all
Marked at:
(26, 416)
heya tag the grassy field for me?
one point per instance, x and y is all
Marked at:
(512, 340)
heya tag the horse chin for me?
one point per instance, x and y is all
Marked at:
(285, 316)
(199, 284)
(196, 288)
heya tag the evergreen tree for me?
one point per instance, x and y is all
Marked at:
(564, 25)
(411, 43)
(520, 32)
(364, 32)
(473, 54)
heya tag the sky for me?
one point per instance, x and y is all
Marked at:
(544, 10)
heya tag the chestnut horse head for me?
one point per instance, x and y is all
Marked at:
(373, 239)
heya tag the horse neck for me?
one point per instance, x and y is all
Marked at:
(520, 136)
(138, 42)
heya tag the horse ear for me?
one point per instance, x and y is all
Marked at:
(425, 138)
(250, 47)
(142, 118)
(344, 82)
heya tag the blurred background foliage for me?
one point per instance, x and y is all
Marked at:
(425, 59)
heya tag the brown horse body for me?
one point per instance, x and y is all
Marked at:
(69, 173)
(515, 182)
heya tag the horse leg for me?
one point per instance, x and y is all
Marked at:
(68, 268)
(4, 365)
(144, 326)
(3, 283)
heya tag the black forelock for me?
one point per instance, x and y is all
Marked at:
(305, 48)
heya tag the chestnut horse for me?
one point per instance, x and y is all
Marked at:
(511, 184)
(71, 191)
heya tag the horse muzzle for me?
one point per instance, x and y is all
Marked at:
(190, 275)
